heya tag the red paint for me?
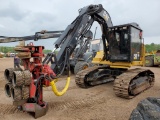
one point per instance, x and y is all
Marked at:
(30, 107)
(34, 65)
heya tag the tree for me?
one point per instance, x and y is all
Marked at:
(152, 47)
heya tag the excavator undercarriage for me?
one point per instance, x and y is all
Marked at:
(124, 50)
(127, 83)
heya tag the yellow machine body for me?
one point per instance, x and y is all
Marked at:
(98, 59)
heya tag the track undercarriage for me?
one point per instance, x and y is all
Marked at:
(127, 83)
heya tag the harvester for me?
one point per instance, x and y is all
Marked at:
(122, 48)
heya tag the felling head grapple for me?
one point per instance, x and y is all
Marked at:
(25, 86)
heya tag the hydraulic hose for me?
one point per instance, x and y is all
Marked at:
(52, 83)
(54, 88)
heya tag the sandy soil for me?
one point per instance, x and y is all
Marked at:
(96, 103)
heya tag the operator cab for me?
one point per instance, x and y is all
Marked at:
(125, 43)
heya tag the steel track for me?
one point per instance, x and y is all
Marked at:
(122, 83)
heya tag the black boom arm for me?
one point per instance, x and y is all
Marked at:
(38, 35)
(77, 30)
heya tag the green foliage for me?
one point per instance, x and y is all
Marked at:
(152, 47)
(56, 51)
(49, 51)
(11, 50)
(6, 49)
(46, 51)
(149, 48)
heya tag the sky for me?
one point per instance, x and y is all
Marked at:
(25, 17)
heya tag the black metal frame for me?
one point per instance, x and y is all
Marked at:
(119, 28)
(77, 29)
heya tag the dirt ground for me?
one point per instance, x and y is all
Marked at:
(96, 103)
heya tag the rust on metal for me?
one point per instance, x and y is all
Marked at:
(80, 76)
(127, 85)
(123, 82)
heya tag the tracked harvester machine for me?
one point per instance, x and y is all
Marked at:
(125, 49)
(122, 48)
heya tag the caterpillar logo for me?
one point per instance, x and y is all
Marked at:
(105, 16)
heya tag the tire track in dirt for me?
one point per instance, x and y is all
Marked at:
(78, 104)
(8, 109)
